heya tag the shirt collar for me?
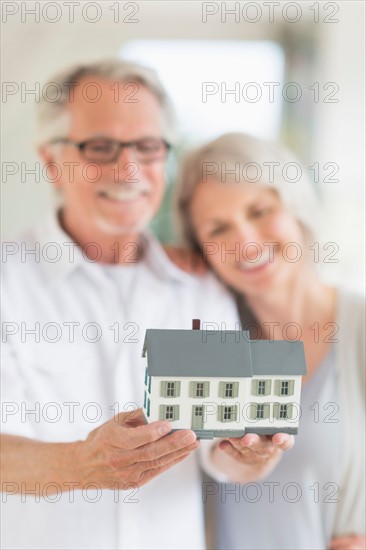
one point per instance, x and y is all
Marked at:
(158, 261)
(60, 255)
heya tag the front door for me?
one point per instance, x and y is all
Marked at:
(197, 417)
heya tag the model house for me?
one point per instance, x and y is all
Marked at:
(221, 383)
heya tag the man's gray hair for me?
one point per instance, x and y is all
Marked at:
(52, 116)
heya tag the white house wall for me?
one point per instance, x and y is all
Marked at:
(282, 399)
(211, 403)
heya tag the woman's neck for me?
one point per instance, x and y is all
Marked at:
(300, 303)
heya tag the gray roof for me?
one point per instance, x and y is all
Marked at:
(272, 357)
(220, 353)
(197, 353)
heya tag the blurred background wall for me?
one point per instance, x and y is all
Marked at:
(319, 46)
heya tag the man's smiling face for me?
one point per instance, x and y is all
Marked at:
(118, 197)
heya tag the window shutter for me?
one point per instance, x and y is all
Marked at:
(276, 409)
(291, 387)
(267, 387)
(177, 389)
(149, 384)
(162, 412)
(290, 409)
(277, 387)
(206, 389)
(192, 389)
(235, 389)
(235, 412)
(148, 407)
(163, 389)
(145, 398)
(266, 410)
(146, 376)
(175, 412)
(253, 411)
(255, 387)
(220, 414)
(222, 389)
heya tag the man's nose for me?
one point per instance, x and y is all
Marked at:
(126, 169)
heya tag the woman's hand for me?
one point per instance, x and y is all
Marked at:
(348, 542)
(252, 457)
(188, 261)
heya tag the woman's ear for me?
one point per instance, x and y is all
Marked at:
(51, 167)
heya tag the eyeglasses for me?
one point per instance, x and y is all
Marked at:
(103, 151)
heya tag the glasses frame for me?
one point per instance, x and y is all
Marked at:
(121, 145)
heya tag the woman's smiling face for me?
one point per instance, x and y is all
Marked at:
(246, 233)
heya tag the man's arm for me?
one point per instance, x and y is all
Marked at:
(122, 452)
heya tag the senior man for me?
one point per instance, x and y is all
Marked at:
(80, 470)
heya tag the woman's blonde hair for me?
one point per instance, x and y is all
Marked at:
(250, 159)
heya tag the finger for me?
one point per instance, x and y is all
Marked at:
(173, 442)
(142, 435)
(228, 449)
(171, 457)
(250, 457)
(257, 444)
(150, 474)
(350, 542)
(285, 442)
(267, 444)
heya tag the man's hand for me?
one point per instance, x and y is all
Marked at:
(348, 542)
(122, 452)
(126, 450)
(252, 457)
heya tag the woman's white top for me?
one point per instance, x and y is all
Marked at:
(295, 506)
(318, 489)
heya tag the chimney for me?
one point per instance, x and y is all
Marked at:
(196, 324)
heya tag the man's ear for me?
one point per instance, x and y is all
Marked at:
(53, 168)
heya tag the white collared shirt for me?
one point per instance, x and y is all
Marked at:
(73, 333)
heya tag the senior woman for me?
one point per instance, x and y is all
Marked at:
(246, 205)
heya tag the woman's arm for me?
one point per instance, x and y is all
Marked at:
(250, 458)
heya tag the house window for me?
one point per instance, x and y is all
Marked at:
(283, 411)
(228, 413)
(260, 411)
(149, 384)
(198, 411)
(148, 408)
(146, 375)
(169, 412)
(261, 387)
(170, 389)
(170, 392)
(284, 387)
(199, 389)
(228, 389)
